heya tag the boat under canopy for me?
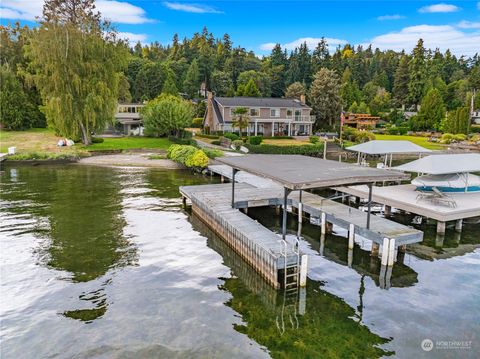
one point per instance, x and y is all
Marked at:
(443, 164)
(451, 182)
(447, 173)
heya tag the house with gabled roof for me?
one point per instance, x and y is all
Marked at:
(269, 116)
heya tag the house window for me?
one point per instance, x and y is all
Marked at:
(232, 111)
(274, 112)
(289, 113)
(254, 112)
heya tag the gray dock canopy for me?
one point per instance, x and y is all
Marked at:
(444, 164)
(379, 147)
(302, 172)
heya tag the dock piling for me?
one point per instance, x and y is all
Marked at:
(303, 270)
(375, 249)
(441, 226)
(324, 223)
(385, 249)
(458, 225)
(351, 236)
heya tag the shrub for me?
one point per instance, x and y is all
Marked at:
(97, 140)
(197, 160)
(311, 150)
(314, 139)
(189, 156)
(197, 122)
(212, 153)
(364, 136)
(447, 138)
(237, 144)
(231, 136)
(216, 142)
(255, 140)
(460, 137)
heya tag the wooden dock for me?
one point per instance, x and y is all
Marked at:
(264, 250)
(336, 213)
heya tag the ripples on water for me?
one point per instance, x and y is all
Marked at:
(103, 262)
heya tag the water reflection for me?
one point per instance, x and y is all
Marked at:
(310, 323)
(79, 213)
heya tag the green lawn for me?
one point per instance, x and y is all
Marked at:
(42, 143)
(129, 143)
(421, 141)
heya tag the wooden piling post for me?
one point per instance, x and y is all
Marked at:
(441, 226)
(324, 223)
(391, 252)
(351, 236)
(458, 225)
(350, 257)
(388, 211)
(303, 270)
(385, 250)
(375, 249)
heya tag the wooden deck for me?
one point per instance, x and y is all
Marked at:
(261, 248)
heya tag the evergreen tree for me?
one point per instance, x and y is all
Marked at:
(401, 81)
(432, 112)
(221, 83)
(169, 87)
(304, 64)
(295, 90)
(77, 63)
(251, 90)
(191, 84)
(325, 97)
(320, 56)
(416, 67)
(349, 91)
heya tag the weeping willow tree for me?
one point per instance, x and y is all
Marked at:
(76, 62)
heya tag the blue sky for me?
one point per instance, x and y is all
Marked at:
(257, 25)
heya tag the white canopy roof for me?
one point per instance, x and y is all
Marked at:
(379, 147)
(443, 164)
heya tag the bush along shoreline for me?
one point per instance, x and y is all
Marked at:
(189, 156)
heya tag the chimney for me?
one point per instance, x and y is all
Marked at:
(209, 118)
(302, 99)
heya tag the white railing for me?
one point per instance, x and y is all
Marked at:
(304, 118)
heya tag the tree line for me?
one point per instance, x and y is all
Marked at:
(72, 56)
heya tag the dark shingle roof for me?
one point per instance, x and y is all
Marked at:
(259, 102)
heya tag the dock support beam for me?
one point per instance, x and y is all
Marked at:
(458, 225)
(284, 219)
(323, 223)
(351, 236)
(388, 251)
(234, 172)
(300, 207)
(441, 227)
(369, 204)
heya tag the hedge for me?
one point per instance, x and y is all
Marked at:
(255, 140)
(310, 150)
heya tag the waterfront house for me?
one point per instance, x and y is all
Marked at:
(361, 120)
(475, 116)
(269, 116)
(128, 119)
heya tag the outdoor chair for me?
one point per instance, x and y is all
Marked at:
(436, 197)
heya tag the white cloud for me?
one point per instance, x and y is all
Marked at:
(390, 17)
(468, 25)
(442, 36)
(312, 43)
(122, 12)
(195, 8)
(439, 8)
(132, 38)
(115, 11)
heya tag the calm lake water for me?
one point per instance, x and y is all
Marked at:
(105, 263)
